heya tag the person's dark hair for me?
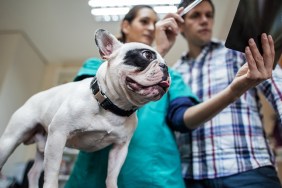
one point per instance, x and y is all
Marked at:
(130, 16)
(185, 3)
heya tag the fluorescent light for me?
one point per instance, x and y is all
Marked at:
(114, 10)
(165, 9)
(109, 11)
(120, 3)
(124, 10)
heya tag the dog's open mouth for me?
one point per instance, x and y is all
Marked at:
(135, 86)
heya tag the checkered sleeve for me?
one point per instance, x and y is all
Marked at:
(271, 89)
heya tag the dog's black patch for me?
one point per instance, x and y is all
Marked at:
(140, 58)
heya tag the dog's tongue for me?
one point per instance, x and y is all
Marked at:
(164, 84)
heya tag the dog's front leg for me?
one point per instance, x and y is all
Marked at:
(117, 157)
(56, 141)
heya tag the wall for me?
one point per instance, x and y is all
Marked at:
(21, 70)
(56, 74)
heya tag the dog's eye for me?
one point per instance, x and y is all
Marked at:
(149, 55)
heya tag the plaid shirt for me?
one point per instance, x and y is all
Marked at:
(234, 141)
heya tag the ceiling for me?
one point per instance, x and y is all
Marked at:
(62, 31)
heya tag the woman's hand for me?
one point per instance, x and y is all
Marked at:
(166, 31)
(258, 67)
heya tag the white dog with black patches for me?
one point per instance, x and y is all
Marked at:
(90, 114)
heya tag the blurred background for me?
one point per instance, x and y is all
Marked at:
(43, 44)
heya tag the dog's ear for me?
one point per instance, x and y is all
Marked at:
(106, 42)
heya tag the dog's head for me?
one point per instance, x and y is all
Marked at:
(135, 67)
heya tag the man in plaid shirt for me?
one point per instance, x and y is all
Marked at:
(231, 149)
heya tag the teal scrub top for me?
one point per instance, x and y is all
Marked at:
(153, 158)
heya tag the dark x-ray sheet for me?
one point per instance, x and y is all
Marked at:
(252, 18)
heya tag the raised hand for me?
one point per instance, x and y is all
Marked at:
(166, 31)
(258, 67)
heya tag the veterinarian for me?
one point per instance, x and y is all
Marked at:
(231, 149)
(153, 158)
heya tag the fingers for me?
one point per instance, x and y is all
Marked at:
(175, 16)
(180, 10)
(268, 51)
(250, 60)
(256, 56)
(166, 32)
(260, 66)
(168, 24)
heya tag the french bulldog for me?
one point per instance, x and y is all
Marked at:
(90, 114)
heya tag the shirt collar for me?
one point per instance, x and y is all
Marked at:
(213, 43)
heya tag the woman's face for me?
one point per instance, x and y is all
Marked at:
(142, 27)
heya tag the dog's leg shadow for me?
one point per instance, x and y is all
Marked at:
(37, 167)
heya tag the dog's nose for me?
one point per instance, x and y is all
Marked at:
(162, 65)
(165, 71)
